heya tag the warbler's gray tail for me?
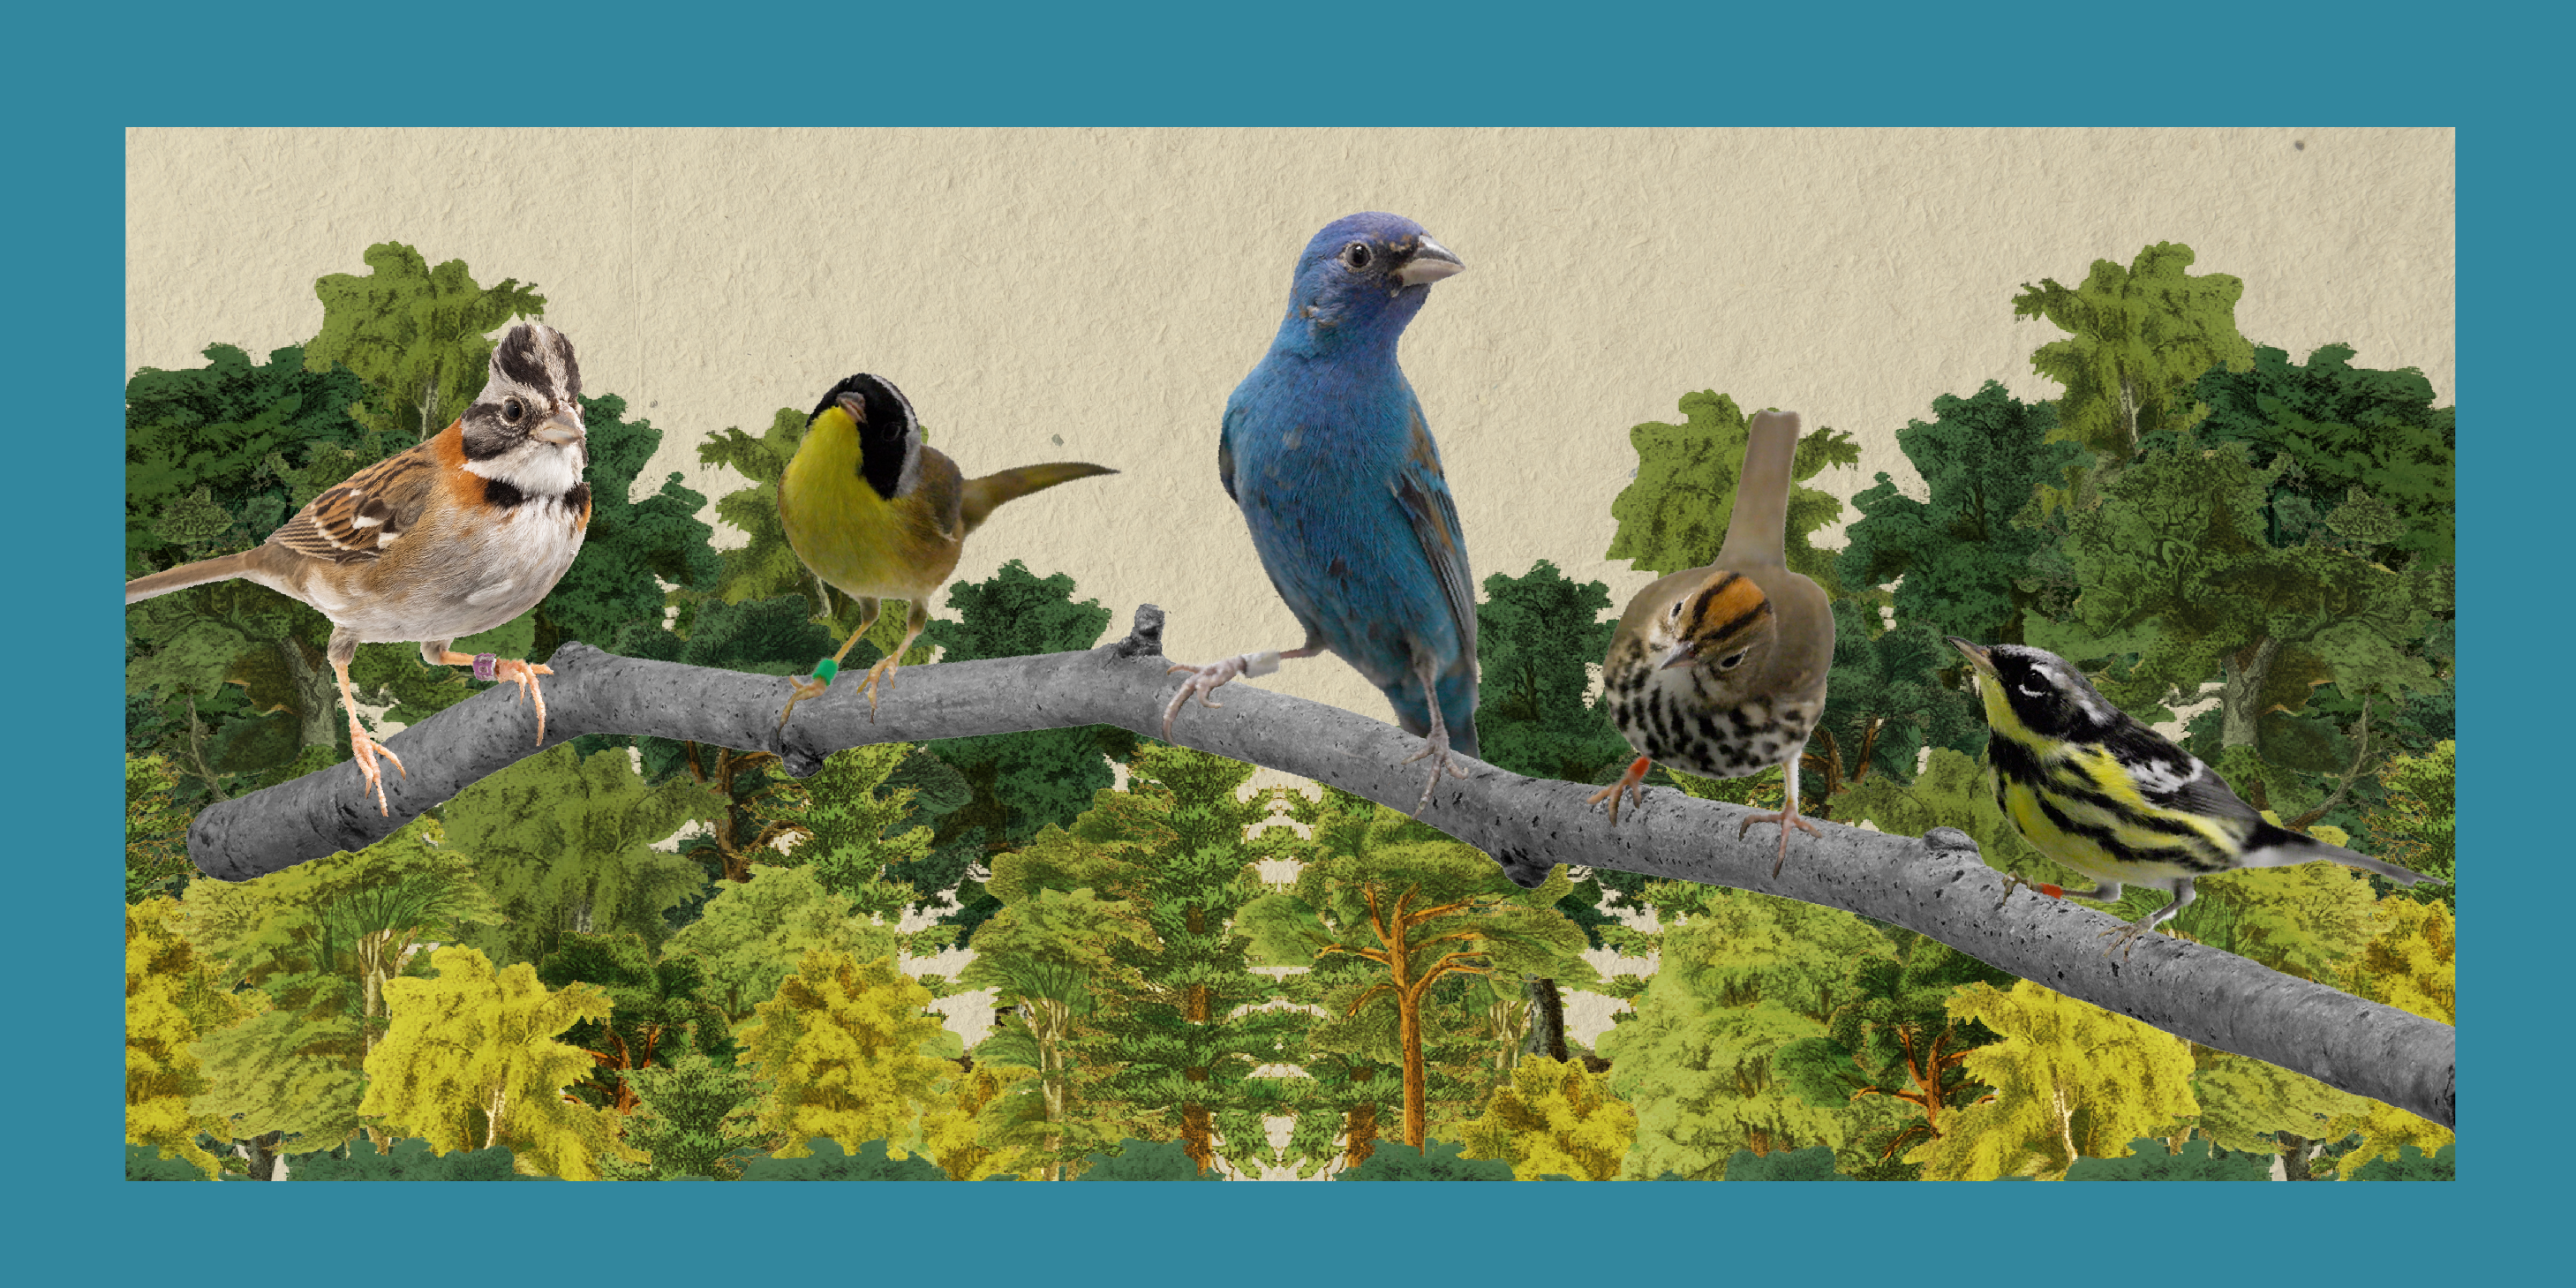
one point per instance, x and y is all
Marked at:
(2279, 847)
(186, 575)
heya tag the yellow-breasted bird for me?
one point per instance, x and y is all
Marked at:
(1720, 671)
(878, 514)
(2092, 788)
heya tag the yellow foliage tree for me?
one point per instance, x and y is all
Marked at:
(2070, 1080)
(469, 1061)
(1555, 1118)
(854, 1055)
(2409, 964)
(170, 1001)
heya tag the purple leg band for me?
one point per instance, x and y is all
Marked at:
(485, 664)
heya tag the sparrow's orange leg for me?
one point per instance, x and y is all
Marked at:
(814, 685)
(1789, 817)
(364, 749)
(1631, 787)
(510, 670)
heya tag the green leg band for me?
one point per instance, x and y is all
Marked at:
(826, 669)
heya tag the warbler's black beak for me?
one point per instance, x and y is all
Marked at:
(1976, 655)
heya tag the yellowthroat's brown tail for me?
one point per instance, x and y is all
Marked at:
(986, 494)
(1758, 531)
(186, 575)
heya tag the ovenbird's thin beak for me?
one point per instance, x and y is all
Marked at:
(560, 428)
(1682, 654)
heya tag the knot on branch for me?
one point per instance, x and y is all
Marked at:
(1146, 639)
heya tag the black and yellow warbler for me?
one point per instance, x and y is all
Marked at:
(2097, 791)
(878, 514)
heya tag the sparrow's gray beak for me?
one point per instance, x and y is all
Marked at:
(1430, 262)
(560, 428)
(1683, 654)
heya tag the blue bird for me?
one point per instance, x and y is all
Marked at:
(1326, 451)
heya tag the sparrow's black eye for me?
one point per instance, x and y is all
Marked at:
(1356, 255)
(1732, 660)
(512, 410)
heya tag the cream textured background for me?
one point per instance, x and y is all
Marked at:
(1107, 289)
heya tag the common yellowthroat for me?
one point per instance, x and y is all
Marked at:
(878, 514)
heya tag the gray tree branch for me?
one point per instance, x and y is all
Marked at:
(1936, 885)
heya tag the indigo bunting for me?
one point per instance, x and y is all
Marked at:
(1326, 451)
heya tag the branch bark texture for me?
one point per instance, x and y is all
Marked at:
(1936, 885)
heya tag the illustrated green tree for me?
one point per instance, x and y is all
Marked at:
(1555, 1117)
(1190, 1037)
(1712, 1057)
(659, 1015)
(851, 1055)
(2348, 427)
(2175, 565)
(470, 1062)
(1419, 907)
(1969, 559)
(765, 566)
(1894, 1037)
(1024, 781)
(1049, 954)
(2070, 1080)
(754, 933)
(2138, 340)
(865, 837)
(564, 843)
(415, 334)
(156, 852)
(1538, 637)
(319, 944)
(1885, 702)
(216, 458)
(171, 999)
(1674, 514)
(692, 1115)
(2155, 1160)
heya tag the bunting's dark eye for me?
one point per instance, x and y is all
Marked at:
(512, 409)
(1356, 255)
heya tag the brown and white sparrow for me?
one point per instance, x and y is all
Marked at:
(456, 536)
(1720, 671)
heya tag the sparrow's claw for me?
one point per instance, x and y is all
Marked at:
(1205, 680)
(524, 674)
(364, 750)
(1786, 819)
(1630, 787)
